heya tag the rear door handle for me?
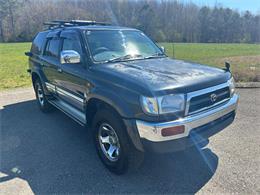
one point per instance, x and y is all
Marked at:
(59, 70)
(44, 64)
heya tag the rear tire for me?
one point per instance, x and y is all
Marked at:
(42, 101)
(112, 143)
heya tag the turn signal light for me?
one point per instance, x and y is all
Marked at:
(172, 131)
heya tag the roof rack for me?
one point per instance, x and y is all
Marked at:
(63, 23)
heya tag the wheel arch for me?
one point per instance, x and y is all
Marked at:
(95, 103)
(35, 76)
(112, 100)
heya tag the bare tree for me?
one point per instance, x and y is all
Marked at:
(163, 20)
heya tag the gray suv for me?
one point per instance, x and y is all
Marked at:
(133, 98)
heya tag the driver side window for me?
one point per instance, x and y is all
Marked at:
(72, 42)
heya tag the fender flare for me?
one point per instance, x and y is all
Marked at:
(40, 75)
(123, 110)
(113, 100)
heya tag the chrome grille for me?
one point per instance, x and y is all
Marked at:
(207, 98)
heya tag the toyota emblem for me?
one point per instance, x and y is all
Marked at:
(213, 97)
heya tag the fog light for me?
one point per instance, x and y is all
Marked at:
(172, 131)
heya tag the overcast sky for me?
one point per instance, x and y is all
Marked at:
(241, 5)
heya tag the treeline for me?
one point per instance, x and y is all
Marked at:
(163, 20)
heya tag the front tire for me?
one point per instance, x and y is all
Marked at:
(42, 101)
(112, 143)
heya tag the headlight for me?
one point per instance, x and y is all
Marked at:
(231, 83)
(163, 104)
(171, 103)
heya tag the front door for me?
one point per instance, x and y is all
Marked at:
(71, 82)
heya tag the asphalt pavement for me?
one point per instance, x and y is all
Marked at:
(50, 153)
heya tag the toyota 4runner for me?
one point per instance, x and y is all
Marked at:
(122, 86)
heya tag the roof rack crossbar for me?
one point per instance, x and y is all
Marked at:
(56, 24)
(63, 23)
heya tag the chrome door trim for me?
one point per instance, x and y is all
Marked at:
(63, 92)
(50, 87)
(68, 94)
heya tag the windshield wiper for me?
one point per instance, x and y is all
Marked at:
(126, 57)
(156, 55)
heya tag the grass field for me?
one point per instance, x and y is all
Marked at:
(13, 65)
(245, 60)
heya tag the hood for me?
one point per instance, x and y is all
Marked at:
(165, 74)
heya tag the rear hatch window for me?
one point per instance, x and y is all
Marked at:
(38, 43)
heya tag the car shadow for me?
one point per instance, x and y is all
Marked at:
(53, 154)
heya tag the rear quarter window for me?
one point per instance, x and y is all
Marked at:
(38, 42)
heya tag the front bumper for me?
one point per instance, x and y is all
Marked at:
(198, 136)
(150, 131)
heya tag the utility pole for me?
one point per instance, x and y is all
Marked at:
(173, 54)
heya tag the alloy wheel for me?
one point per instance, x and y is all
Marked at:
(40, 95)
(109, 142)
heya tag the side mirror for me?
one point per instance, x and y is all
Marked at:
(28, 53)
(162, 49)
(227, 65)
(69, 57)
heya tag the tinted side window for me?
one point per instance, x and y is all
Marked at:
(71, 41)
(52, 48)
(37, 44)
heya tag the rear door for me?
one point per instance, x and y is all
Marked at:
(51, 62)
(36, 50)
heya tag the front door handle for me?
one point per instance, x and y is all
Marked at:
(59, 70)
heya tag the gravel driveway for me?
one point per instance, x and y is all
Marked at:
(50, 153)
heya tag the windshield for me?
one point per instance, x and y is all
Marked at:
(119, 45)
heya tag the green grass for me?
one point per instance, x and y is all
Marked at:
(244, 58)
(13, 65)
(199, 52)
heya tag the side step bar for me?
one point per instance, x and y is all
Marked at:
(69, 110)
